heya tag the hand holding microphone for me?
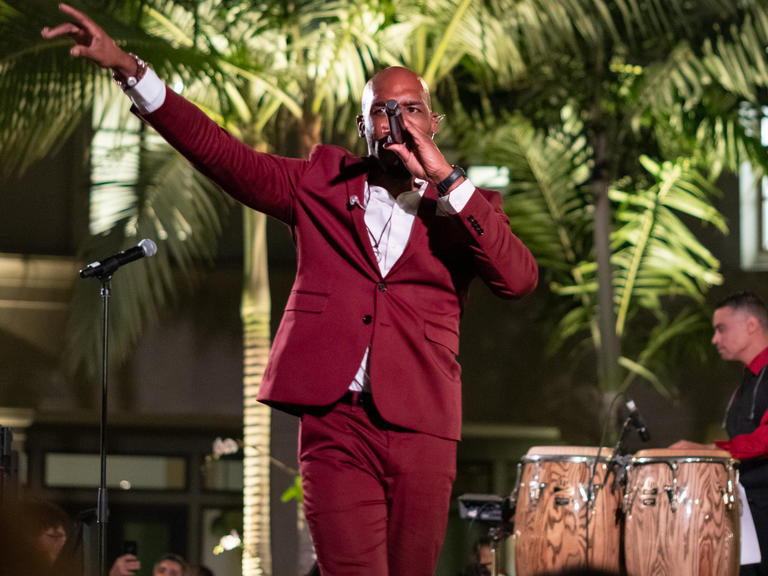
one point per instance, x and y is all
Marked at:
(419, 154)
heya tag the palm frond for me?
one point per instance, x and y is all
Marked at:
(547, 175)
(697, 96)
(37, 80)
(340, 51)
(652, 249)
(182, 212)
(663, 346)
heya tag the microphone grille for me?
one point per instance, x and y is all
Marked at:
(148, 246)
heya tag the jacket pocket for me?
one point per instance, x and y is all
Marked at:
(306, 301)
(442, 335)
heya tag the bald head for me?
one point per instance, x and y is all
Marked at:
(394, 75)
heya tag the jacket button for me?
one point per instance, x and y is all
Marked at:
(381, 286)
(367, 319)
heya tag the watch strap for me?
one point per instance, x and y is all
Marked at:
(444, 185)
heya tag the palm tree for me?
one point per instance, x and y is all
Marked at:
(614, 119)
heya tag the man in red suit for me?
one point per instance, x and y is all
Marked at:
(366, 350)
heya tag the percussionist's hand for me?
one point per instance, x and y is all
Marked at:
(91, 42)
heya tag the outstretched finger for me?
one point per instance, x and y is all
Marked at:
(66, 29)
(81, 18)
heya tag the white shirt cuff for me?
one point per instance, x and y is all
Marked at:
(454, 202)
(149, 93)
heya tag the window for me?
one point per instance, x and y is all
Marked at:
(126, 472)
(753, 205)
(224, 475)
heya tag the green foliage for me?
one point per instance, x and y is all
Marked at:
(295, 492)
(649, 102)
(655, 256)
(179, 208)
(646, 101)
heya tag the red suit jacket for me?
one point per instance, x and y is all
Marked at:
(339, 303)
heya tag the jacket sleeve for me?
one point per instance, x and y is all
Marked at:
(504, 263)
(264, 182)
(746, 446)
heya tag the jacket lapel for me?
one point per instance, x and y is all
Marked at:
(354, 174)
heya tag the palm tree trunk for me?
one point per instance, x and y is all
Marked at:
(608, 347)
(255, 313)
(601, 129)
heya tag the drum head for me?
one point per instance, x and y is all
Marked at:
(670, 454)
(545, 452)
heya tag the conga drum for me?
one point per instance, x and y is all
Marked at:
(682, 513)
(565, 517)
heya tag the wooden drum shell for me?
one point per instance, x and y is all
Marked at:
(551, 511)
(681, 514)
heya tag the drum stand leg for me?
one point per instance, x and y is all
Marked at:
(497, 534)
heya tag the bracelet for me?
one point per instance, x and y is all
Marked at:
(131, 81)
(444, 185)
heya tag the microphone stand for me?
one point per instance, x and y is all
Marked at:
(613, 461)
(617, 458)
(498, 534)
(103, 270)
(622, 436)
(102, 509)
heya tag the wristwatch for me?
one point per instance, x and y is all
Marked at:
(444, 185)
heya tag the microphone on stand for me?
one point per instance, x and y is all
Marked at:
(107, 267)
(637, 421)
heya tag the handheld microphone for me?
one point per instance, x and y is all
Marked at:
(395, 118)
(106, 267)
(637, 421)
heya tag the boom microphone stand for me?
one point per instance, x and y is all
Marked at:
(102, 509)
(103, 270)
(617, 460)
